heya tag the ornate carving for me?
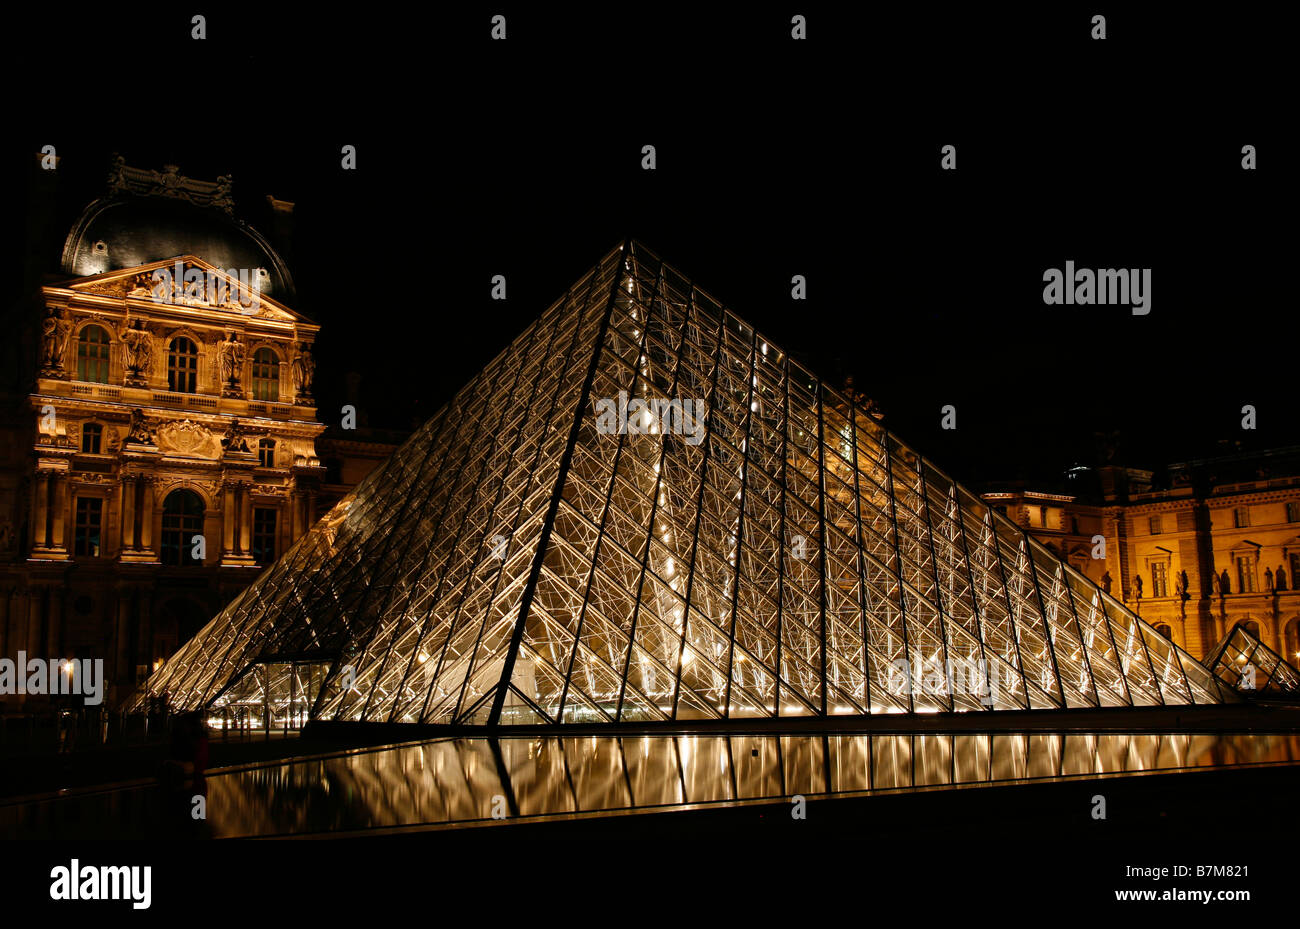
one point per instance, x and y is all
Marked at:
(303, 369)
(55, 330)
(234, 439)
(188, 438)
(135, 285)
(139, 352)
(230, 356)
(169, 182)
(138, 431)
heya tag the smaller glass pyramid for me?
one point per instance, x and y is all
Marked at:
(1245, 663)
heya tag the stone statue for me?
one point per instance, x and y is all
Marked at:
(1225, 583)
(1180, 584)
(55, 330)
(1281, 578)
(234, 439)
(221, 197)
(116, 180)
(139, 348)
(303, 368)
(230, 356)
(1214, 583)
(138, 430)
(1268, 580)
(1106, 582)
(49, 337)
(1137, 582)
(1186, 584)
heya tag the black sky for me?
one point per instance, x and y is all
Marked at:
(774, 158)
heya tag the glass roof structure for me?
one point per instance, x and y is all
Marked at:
(1243, 662)
(643, 510)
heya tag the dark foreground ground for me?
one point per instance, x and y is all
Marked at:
(964, 854)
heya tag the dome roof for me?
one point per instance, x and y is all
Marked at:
(151, 216)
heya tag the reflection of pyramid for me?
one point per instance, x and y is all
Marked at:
(1242, 661)
(566, 542)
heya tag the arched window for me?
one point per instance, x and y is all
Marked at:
(91, 433)
(266, 375)
(266, 452)
(1165, 631)
(183, 366)
(182, 520)
(1252, 627)
(92, 355)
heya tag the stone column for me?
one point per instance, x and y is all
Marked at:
(245, 519)
(15, 622)
(40, 509)
(146, 515)
(123, 669)
(1274, 629)
(128, 513)
(311, 508)
(145, 620)
(295, 516)
(228, 519)
(1180, 631)
(54, 628)
(4, 625)
(60, 508)
(35, 641)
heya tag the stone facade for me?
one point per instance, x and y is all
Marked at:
(150, 489)
(1193, 559)
(158, 431)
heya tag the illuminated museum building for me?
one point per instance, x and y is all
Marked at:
(1219, 546)
(514, 561)
(161, 443)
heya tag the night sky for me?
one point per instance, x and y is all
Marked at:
(775, 158)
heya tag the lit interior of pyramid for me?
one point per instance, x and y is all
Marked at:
(643, 510)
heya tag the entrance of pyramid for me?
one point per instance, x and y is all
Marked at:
(273, 697)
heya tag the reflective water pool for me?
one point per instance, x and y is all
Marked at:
(476, 781)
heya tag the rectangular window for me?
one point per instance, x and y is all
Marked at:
(1293, 511)
(1157, 524)
(1241, 517)
(92, 355)
(1295, 566)
(264, 519)
(90, 514)
(1160, 579)
(1246, 574)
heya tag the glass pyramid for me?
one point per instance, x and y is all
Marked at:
(1245, 663)
(644, 510)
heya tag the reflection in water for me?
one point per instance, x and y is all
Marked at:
(459, 780)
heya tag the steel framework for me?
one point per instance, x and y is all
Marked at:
(741, 540)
